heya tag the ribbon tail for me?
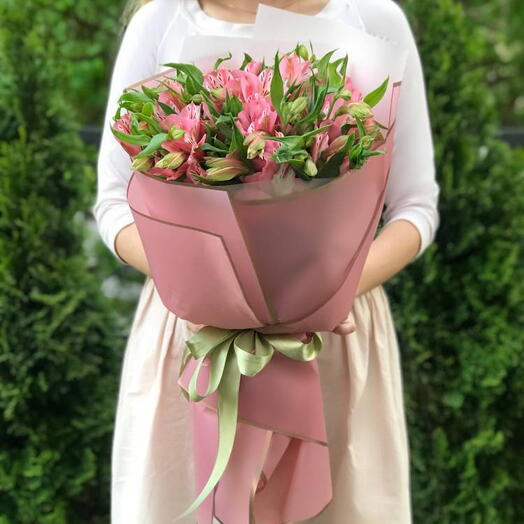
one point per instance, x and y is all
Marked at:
(228, 392)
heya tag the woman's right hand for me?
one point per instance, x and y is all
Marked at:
(194, 327)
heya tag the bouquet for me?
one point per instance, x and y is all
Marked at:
(256, 189)
(298, 117)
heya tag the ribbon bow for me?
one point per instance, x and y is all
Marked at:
(232, 353)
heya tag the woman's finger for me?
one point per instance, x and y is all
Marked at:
(345, 327)
(194, 327)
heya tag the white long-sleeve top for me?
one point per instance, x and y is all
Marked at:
(153, 37)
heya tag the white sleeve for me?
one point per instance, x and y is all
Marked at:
(412, 192)
(135, 60)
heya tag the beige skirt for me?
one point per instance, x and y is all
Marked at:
(152, 470)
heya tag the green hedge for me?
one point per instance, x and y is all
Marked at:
(60, 349)
(459, 310)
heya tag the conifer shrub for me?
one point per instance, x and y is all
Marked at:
(459, 309)
(59, 340)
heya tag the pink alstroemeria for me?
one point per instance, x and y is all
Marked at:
(123, 124)
(267, 172)
(356, 95)
(217, 78)
(257, 115)
(260, 146)
(265, 76)
(171, 97)
(190, 120)
(320, 143)
(293, 69)
(253, 67)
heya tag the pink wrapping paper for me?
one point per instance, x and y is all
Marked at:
(282, 265)
(239, 257)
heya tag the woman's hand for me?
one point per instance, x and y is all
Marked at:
(194, 327)
(129, 248)
(346, 327)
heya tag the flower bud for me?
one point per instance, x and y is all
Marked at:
(359, 110)
(171, 160)
(367, 140)
(143, 125)
(218, 92)
(256, 144)
(142, 164)
(345, 94)
(197, 98)
(298, 106)
(148, 109)
(225, 168)
(301, 155)
(310, 167)
(175, 133)
(302, 52)
(336, 145)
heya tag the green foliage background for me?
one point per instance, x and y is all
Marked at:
(459, 310)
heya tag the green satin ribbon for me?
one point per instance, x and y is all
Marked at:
(233, 353)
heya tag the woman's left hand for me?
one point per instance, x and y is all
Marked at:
(346, 327)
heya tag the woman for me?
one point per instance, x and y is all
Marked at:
(359, 363)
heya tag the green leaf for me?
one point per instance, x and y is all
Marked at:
(360, 127)
(134, 97)
(217, 181)
(246, 61)
(375, 152)
(154, 145)
(151, 121)
(232, 105)
(373, 98)
(210, 104)
(297, 141)
(322, 64)
(188, 69)
(194, 76)
(209, 147)
(237, 141)
(277, 86)
(151, 93)
(331, 168)
(283, 154)
(168, 110)
(136, 140)
(223, 59)
(318, 103)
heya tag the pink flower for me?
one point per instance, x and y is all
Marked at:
(169, 174)
(293, 69)
(249, 84)
(189, 119)
(344, 167)
(265, 77)
(267, 172)
(257, 115)
(356, 95)
(253, 67)
(171, 97)
(339, 102)
(123, 124)
(320, 143)
(217, 79)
